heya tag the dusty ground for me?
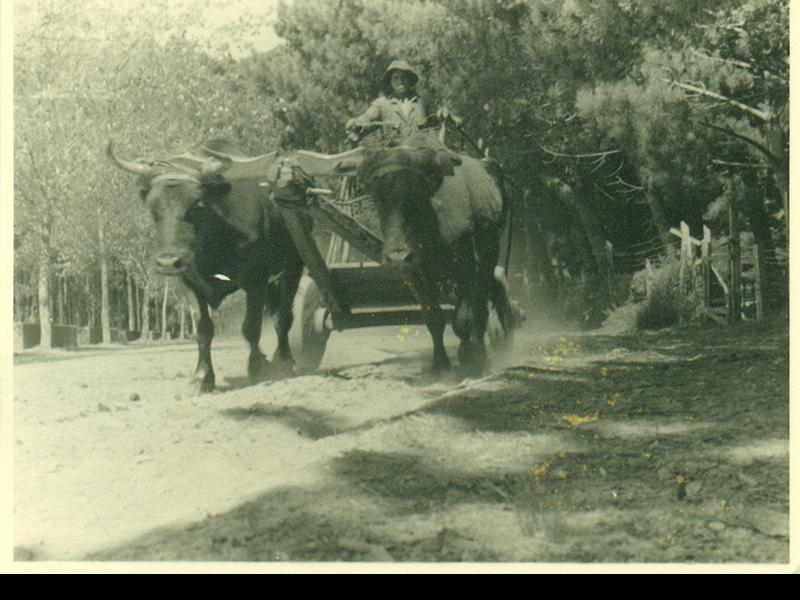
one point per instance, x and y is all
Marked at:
(668, 447)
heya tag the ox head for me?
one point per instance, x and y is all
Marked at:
(403, 180)
(179, 196)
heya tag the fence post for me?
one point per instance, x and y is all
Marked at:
(758, 284)
(735, 293)
(705, 255)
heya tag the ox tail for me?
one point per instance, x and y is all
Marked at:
(495, 170)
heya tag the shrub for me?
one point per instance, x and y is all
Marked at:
(666, 304)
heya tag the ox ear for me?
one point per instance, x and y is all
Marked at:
(445, 162)
(216, 165)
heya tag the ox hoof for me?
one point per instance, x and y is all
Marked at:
(282, 367)
(259, 369)
(473, 361)
(199, 386)
(441, 364)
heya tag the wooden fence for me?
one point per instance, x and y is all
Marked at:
(731, 277)
(725, 276)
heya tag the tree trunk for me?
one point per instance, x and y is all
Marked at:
(539, 262)
(131, 305)
(105, 317)
(136, 304)
(777, 136)
(67, 304)
(193, 319)
(657, 213)
(164, 312)
(145, 313)
(61, 317)
(758, 219)
(182, 309)
(592, 228)
(90, 316)
(45, 322)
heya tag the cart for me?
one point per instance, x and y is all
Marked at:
(339, 291)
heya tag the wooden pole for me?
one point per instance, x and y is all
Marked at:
(759, 285)
(648, 281)
(735, 305)
(705, 255)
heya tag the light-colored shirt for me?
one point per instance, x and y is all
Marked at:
(404, 116)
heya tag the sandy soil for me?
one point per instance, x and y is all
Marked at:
(669, 447)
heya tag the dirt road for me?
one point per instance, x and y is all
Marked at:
(670, 447)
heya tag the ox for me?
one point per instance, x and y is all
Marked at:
(441, 216)
(220, 237)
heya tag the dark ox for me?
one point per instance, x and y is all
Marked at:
(441, 217)
(220, 237)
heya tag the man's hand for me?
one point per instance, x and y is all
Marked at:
(445, 114)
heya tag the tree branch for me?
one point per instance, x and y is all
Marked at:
(765, 116)
(727, 163)
(761, 147)
(739, 63)
(588, 155)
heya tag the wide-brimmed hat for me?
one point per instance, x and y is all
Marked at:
(399, 65)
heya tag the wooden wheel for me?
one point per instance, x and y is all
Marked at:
(308, 336)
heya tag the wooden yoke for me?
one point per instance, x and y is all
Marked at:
(278, 173)
(316, 164)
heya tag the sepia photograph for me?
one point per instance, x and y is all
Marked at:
(395, 286)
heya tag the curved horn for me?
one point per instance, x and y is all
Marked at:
(136, 168)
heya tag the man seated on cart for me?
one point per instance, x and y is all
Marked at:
(398, 110)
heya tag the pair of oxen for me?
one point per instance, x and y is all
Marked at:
(441, 217)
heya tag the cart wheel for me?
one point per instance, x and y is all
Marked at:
(307, 339)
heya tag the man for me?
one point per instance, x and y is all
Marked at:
(398, 109)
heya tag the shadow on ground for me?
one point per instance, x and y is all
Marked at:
(680, 459)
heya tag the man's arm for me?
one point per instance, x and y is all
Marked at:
(373, 113)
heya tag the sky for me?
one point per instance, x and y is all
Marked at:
(215, 17)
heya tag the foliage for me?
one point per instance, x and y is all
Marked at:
(666, 305)
(620, 118)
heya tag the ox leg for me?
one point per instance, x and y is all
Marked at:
(487, 249)
(434, 319)
(501, 302)
(257, 364)
(472, 310)
(283, 318)
(462, 325)
(203, 378)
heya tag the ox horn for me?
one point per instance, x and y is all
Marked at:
(136, 168)
(215, 166)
